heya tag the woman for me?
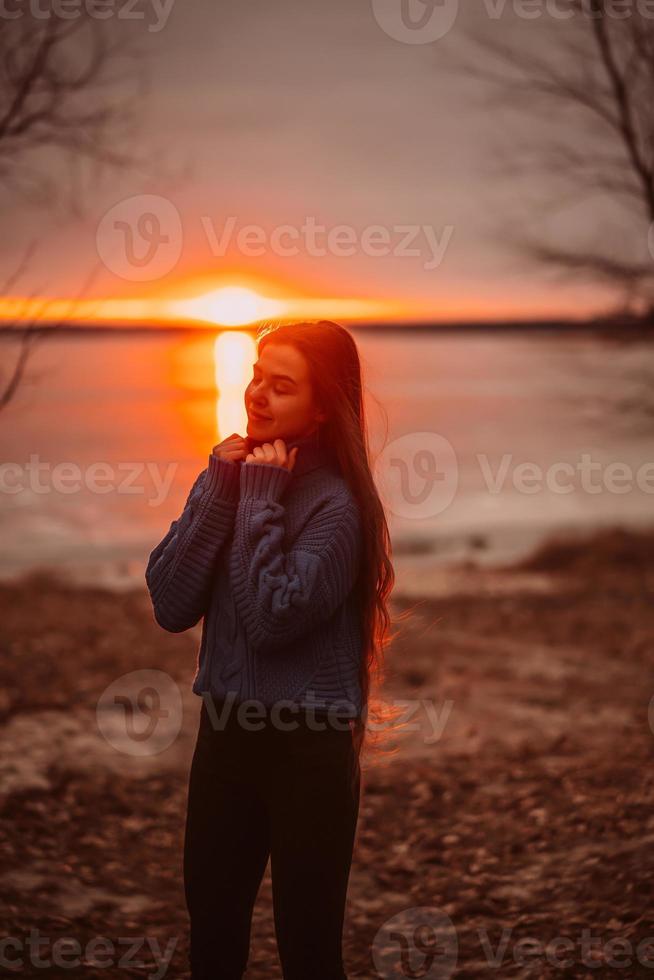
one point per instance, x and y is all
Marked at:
(283, 548)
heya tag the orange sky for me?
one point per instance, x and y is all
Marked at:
(309, 158)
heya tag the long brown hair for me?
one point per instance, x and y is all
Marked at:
(336, 376)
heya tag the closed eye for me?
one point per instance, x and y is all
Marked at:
(278, 391)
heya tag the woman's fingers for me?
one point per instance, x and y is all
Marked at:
(280, 450)
(274, 454)
(233, 447)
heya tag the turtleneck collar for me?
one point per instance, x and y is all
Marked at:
(310, 455)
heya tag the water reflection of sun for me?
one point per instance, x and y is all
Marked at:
(234, 354)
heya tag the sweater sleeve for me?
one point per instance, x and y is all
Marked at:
(180, 569)
(281, 595)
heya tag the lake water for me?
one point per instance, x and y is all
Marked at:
(484, 444)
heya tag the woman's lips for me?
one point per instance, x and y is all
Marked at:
(259, 418)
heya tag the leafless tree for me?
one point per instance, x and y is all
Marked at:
(68, 91)
(586, 94)
(28, 329)
(68, 87)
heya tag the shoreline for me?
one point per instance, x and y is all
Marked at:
(424, 568)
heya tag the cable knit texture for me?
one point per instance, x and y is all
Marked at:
(269, 557)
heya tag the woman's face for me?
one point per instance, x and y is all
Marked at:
(281, 391)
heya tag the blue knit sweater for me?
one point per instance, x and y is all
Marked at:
(269, 557)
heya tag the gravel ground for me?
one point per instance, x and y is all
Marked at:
(507, 832)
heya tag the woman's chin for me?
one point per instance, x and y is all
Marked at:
(259, 429)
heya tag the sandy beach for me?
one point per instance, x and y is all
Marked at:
(513, 814)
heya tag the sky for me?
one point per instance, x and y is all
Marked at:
(316, 155)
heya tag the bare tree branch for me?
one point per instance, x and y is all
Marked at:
(597, 73)
(69, 91)
(30, 328)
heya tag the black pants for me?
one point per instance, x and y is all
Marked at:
(269, 792)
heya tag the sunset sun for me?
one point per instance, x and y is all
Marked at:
(230, 306)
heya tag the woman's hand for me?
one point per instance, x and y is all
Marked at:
(232, 448)
(273, 453)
